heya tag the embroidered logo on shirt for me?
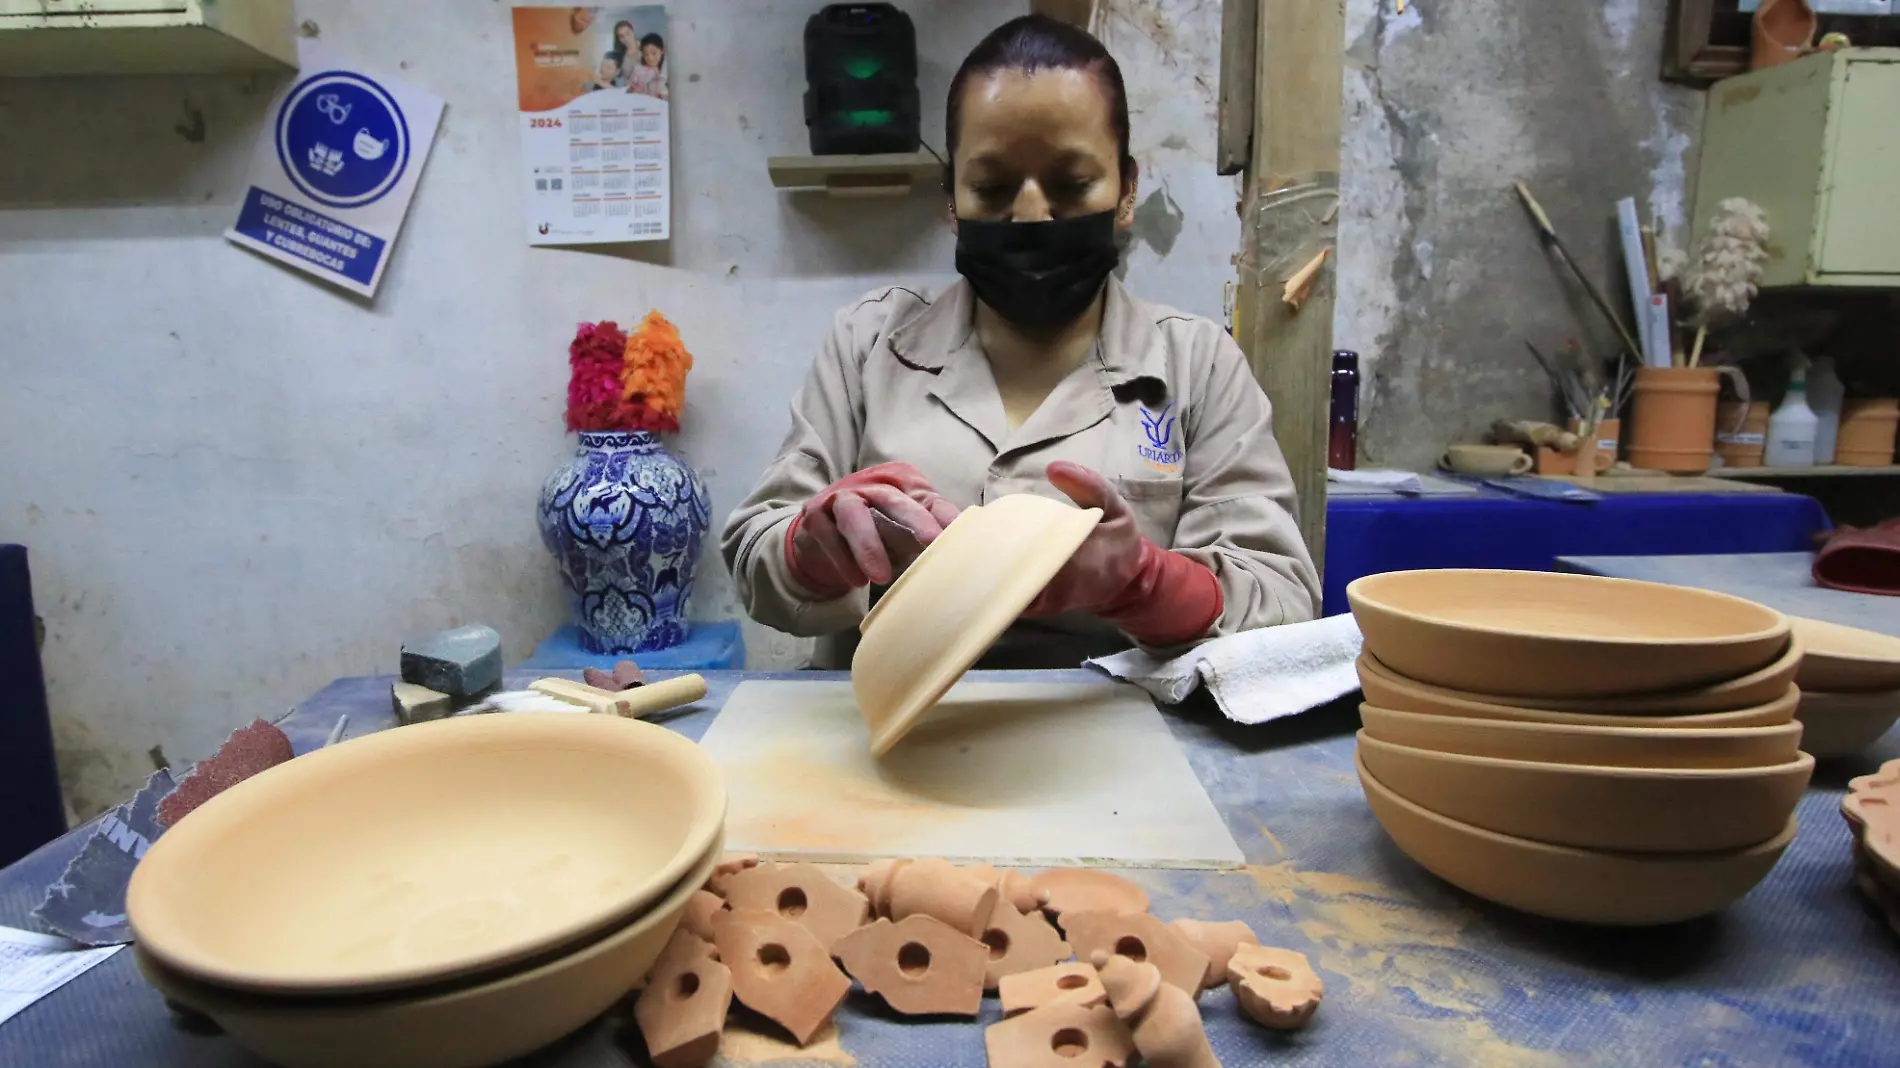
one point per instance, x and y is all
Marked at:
(1160, 451)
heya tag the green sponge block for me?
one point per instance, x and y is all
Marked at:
(461, 663)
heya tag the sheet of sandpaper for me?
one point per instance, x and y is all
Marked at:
(1027, 774)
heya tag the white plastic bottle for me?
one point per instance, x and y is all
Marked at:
(1791, 429)
(1825, 393)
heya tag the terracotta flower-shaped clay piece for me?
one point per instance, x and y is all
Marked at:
(1015, 887)
(1872, 809)
(1163, 1021)
(802, 893)
(1019, 942)
(683, 1008)
(1141, 938)
(1275, 987)
(780, 970)
(1218, 941)
(1088, 890)
(1073, 981)
(932, 887)
(1063, 1035)
(729, 865)
(701, 908)
(920, 965)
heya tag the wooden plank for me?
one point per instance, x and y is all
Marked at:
(1291, 213)
(900, 169)
(1822, 471)
(1239, 47)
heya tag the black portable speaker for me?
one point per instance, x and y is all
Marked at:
(861, 80)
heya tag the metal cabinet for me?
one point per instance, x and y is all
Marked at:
(47, 37)
(1816, 143)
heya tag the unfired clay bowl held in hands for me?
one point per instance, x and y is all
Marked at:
(462, 1027)
(1548, 635)
(966, 588)
(1649, 810)
(1836, 724)
(1628, 747)
(425, 853)
(1846, 659)
(1387, 690)
(1565, 883)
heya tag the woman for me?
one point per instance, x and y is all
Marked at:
(625, 53)
(1036, 373)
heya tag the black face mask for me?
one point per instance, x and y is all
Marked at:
(1040, 276)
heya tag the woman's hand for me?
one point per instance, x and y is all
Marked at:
(837, 544)
(1158, 597)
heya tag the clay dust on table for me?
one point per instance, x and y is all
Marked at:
(741, 1047)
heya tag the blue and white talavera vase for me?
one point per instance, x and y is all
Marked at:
(624, 520)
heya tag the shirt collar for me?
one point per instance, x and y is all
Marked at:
(1131, 345)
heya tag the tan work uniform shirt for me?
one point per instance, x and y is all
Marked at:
(1165, 407)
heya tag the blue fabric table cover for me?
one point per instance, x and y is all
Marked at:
(715, 646)
(1417, 973)
(1370, 535)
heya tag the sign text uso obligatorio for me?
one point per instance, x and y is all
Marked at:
(310, 235)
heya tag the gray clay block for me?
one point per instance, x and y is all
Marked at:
(460, 662)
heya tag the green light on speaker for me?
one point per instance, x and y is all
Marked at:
(863, 66)
(868, 118)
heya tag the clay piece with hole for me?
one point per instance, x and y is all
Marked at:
(1872, 810)
(1019, 942)
(683, 1008)
(919, 965)
(1143, 939)
(1218, 941)
(1066, 1034)
(1276, 988)
(731, 865)
(701, 909)
(1014, 887)
(1164, 1022)
(803, 893)
(1088, 890)
(930, 887)
(780, 970)
(1073, 980)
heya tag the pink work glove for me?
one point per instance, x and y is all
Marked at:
(1156, 596)
(843, 538)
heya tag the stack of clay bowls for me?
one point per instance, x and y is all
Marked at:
(1850, 686)
(444, 895)
(1587, 749)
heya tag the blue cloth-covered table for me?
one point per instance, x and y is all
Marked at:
(1370, 535)
(715, 646)
(1417, 974)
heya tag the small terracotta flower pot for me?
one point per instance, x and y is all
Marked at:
(1672, 420)
(1741, 433)
(1867, 430)
(1609, 437)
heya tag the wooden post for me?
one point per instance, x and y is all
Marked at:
(1290, 215)
(1239, 45)
(1077, 12)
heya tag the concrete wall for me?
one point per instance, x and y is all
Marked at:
(1442, 278)
(238, 484)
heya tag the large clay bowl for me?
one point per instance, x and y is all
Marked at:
(1549, 635)
(1846, 659)
(1645, 810)
(1564, 883)
(1836, 724)
(1387, 690)
(428, 852)
(468, 1027)
(1551, 743)
(962, 591)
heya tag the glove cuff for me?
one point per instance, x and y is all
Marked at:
(1172, 599)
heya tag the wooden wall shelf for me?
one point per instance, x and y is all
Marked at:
(68, 37)
(891, 174)
(1823, 471)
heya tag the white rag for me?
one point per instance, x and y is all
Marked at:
(1256, 675)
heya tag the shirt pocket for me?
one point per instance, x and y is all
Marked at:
(1156, 503)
